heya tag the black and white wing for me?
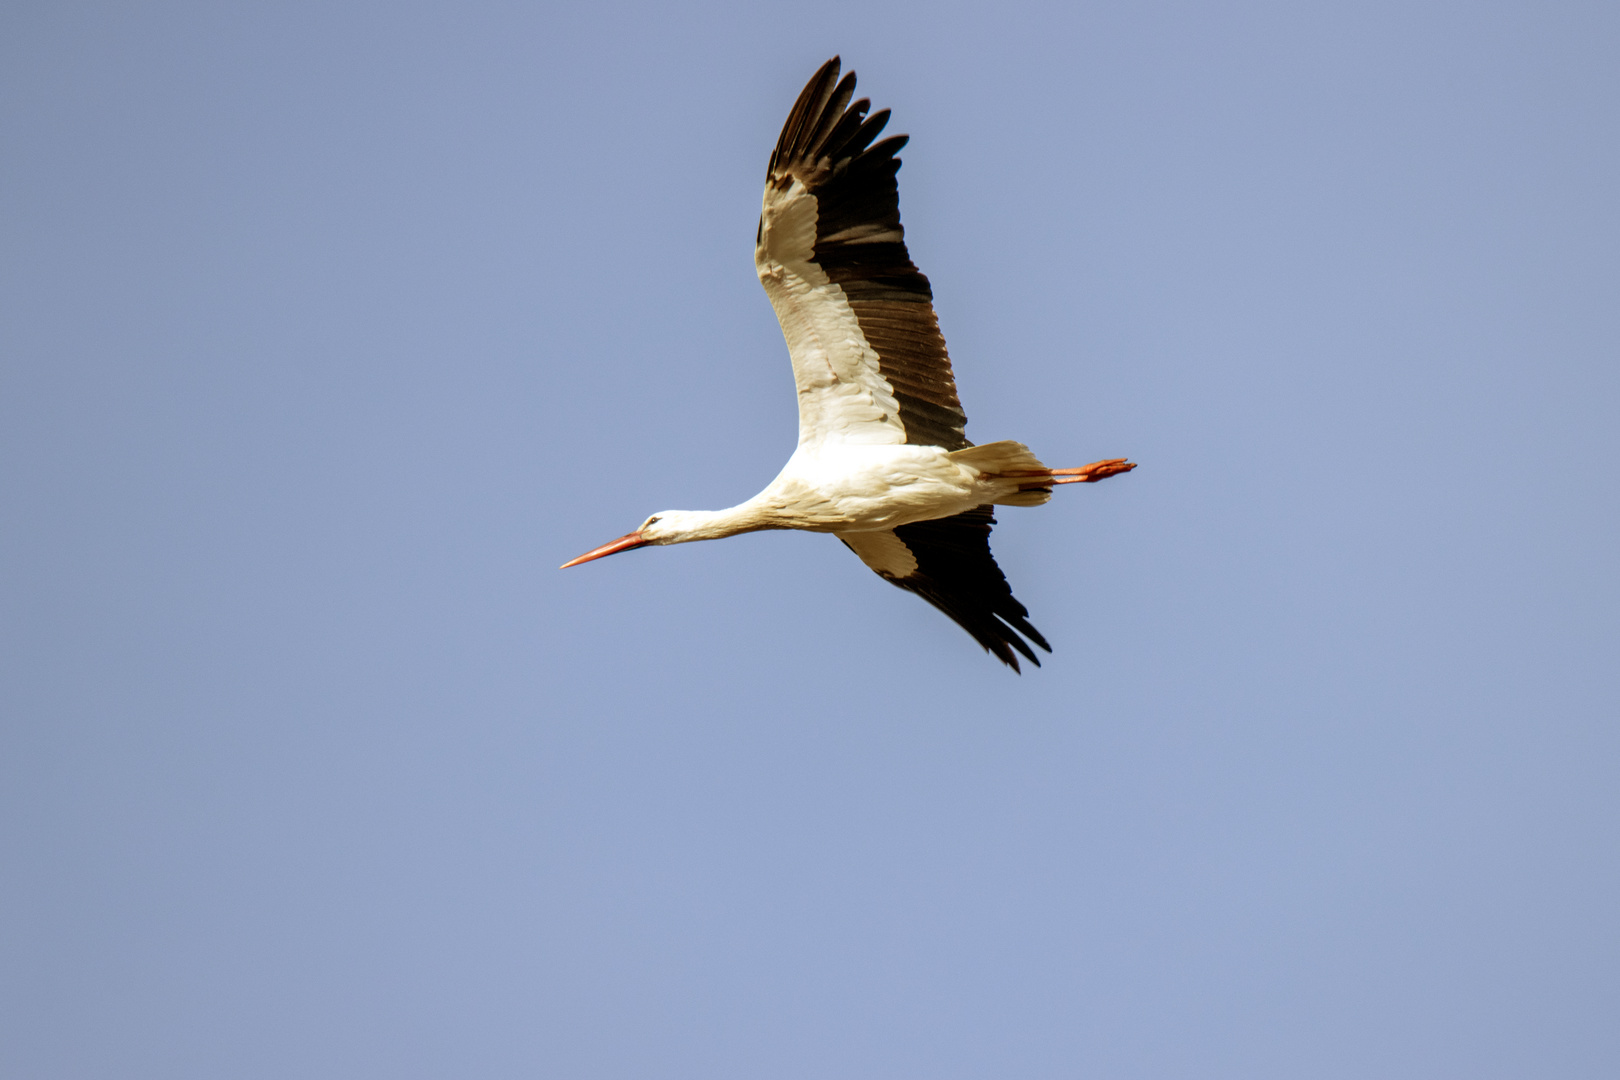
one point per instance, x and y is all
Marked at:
(948, 563)
(869, 361)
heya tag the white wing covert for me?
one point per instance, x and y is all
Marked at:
(869, 361)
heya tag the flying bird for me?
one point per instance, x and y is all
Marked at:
(882, 462)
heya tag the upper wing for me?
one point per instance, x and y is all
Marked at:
(868, 358)
(948, 563)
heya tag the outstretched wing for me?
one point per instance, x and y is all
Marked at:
(868, 358)
(948, 563)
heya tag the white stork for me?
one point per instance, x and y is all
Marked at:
(882, 463)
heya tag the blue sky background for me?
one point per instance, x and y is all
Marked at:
(330, 330)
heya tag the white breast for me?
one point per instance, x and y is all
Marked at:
(849, 487)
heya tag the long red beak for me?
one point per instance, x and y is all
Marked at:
(623, 543)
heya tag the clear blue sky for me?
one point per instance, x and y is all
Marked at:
(327, 331)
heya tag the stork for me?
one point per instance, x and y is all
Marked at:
(882, 462)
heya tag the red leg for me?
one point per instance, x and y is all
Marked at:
(1090, 474)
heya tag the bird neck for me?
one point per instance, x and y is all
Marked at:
(717, 524)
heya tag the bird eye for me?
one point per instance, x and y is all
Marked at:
(649, 521)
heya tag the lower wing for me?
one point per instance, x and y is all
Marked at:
(948, 563)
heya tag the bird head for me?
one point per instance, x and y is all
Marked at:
(665, 527)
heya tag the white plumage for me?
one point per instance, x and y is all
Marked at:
(882, 461)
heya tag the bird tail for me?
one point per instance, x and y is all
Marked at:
(1028, 482)
(1018, 477)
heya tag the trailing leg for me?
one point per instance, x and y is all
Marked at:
(1090, 474)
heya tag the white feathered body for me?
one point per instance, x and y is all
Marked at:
(854, 488)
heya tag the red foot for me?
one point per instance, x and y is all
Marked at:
(1090, 474)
